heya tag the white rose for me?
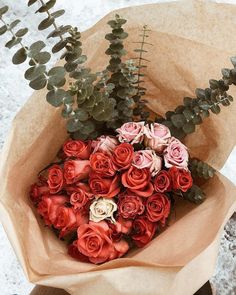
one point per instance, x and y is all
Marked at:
(101, 209)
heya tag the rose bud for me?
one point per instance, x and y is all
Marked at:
(48, 207)
(102, 164)
(132, 132)
(104, 144)
(143, 231)
(104, 187)
(156, 136)
(55, 179)
(176, 154)
(130, 206)
(77, 148)
(158, 208)
(147, 159)
(181, 179)
(138, 181)
(162, 182)
(123, 156)
(75, 170)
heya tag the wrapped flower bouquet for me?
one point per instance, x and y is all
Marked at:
(112, 182)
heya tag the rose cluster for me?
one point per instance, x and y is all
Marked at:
(113, 193)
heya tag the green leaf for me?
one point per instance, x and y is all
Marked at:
(88, 127)
(189, 128)
(47, 6)
(19, 57)
(42, 57)
(188, 114)
(33, 72)
(215, 109)
(214, 84)
(14, 24)
(31, 2)
(3, 30)
(197, 120)
(74, 125)
(38, 83)
(46, 23)
(195, 195)
(188, 101)
(178, 120)
(56, 97)
(21, 32)
(200, 93)
(13, 42)
(58, 13)
(81, 114)
(59, 46)
(36, 47)
(233, 59)
(3, 10)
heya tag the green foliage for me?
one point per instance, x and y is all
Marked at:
(141, 65)
(194, 195)
(200, 169)
(184, 118)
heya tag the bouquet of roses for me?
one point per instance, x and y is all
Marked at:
(116, 172)
(113, 193)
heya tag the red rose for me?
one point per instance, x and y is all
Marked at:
(121, 227)
(123, 156)
(49, 206)
(78, 199)
(104, 187)
(74, 252)
(143, 231)
(138, 181)
(37, 191)
(102, 164)
(162, 182)
(129, 206)
(158, 208)
(181, 179)
(77, 148)
(55, 179)
(77, 187)
(65, 221)
(75, 170)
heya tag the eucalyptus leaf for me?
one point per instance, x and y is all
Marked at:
(35, 71)
(13, 42)
(21, 32)
(37, 46)
(38, 83)
(178, 120)
(59, 46)
(20, 56)
(74, 125)
(14, 24)
(57, 13)
(215, 109)
(47, 6)
(81, 114)
(46, 23)
(3, 30)
(88, 127)
(42, 57)
(3, 10)
(56, 97)
(189, 128)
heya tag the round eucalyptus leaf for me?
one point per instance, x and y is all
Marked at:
(3, 10)
(88, 127)
(116, 47)
(37, 46)
(58, 13)
(59, 46)
(57, 71)
(21, 32)
(213, 84)
(47, 6)
(189, 128)
(70, 66)
(3, 30)
(110, 37)
(56, 97)
(200, 93)
(178, 120)
(42, 57)
(31, 2)
(188, 114)
(14, 24)
(226, 103)
(215, 109)
(81, 59)
(35, 71)
(81, 95)
(39, 83)
(19, 57)
(46, 23)
(197, 120)
(74, 125)
(13, 42)
(81, 114)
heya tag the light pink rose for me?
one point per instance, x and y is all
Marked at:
(147, 159)
(156, 136)
(132, 132)
(104, 144)
(176, 154)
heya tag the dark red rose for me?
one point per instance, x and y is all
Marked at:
(48, 207)
(162, 182)
(37, 191)
(102, 164)
(123, 156)
(181, 179)
(143, 231)
(104, 187)
(129, 206)
(75, 170)
(138, 181)
(74, 252)
(77, 148)
(158, 208)
(55, 179)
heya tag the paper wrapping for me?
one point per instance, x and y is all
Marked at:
(192, 41)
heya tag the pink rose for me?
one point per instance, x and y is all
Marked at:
(104, 144)
(156, 136)
(132, 132)
(176, 154)
(147, 159)
(75, 170)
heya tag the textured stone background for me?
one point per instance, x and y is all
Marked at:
(14, 92)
